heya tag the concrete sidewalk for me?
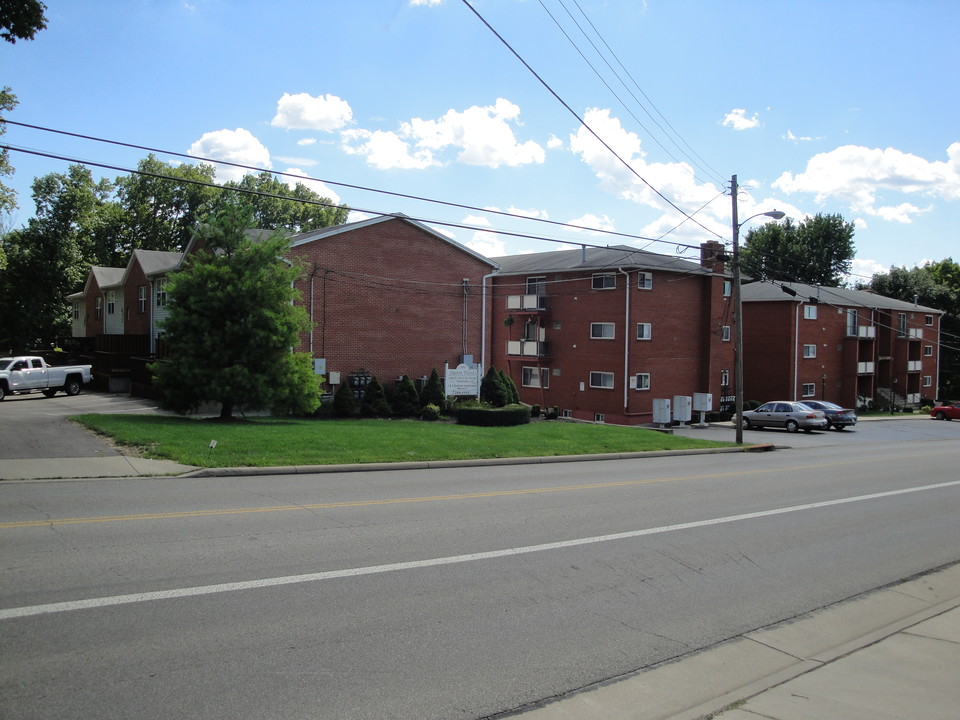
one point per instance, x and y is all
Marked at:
(891, 653)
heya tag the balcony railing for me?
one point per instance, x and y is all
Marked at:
(865, 368)
(914, 365)
(527, 302)
(866, 332)
(528, 348)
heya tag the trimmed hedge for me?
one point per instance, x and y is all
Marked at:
(494, 417)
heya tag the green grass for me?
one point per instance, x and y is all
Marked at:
(266, 442)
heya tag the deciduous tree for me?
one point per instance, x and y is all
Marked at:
(818, 251)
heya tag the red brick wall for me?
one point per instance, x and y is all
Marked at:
(684, 356)
(389, 298)
(135, 322)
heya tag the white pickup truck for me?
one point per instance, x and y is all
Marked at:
(28, 373)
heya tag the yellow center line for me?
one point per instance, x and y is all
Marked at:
(433, 498)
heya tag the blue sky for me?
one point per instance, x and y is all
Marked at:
(846, 106)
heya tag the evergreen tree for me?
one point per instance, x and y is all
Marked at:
(513, 395)
(492, 389)
(374, 402)
(231, 325)
(344, 402)
(406, 402)
(433, 391)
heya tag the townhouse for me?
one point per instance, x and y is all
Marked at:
(850, 347)
(601, 332)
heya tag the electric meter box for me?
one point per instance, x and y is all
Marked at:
(703, 402)
(661, 411)
(682, 408)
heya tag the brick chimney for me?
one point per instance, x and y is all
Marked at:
(712, 256)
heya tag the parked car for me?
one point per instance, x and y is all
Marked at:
(946, 411)
(837, 417)
(791, 416)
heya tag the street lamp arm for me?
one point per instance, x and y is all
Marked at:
(775, 214)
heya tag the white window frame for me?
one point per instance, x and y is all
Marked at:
(727, 288)
(928, 320)
(928, 350)
(599, 376)
(528, 377)
(809, 350)
(645, 280)
(598, 330)
(111, 302)
(603, 281)
(644, 331)
(643, 381)
(98, 307)
(725, 333)
(161, 292)
(810, 312)
(76, 309)
(809, 390)
(724, 378)
(927, 381)
(599, 418)
(141, 298)
(536, 285)
(566, 413)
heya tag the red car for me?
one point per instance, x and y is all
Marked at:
(946, 412)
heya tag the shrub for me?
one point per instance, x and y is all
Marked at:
(406, 402)
(344, 403)
(535, 411)
(494, 416)
(492, 390)
(513, 395)
(374, 403)
(430, 412)
(433, 391)
(552, 413)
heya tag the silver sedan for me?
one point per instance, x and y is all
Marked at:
(791, 416)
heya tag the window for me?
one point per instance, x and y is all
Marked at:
(141, 298)
(724, 378)
(98, 308)
(529, 377)
(161, 292)
(928, 381)
(111, 302)
(601, 380)
(76, 310)
(852, 323)
(902, 324)
(599, 417)
(36, 363)
(566, 413)
(727, 288)
(809, 389)
(809, 312)
(928, 350)
(725, 333)
(537, 285)
(645, 281)
(928, 320)
(604, 281)
(644, 331)
(643, 381)
(809, 351)
(601, 331)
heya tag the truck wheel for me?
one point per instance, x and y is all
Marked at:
(49, 393)
(72, 387)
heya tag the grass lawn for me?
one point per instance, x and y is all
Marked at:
(266, 442)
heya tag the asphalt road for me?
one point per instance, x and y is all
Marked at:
(456, 593)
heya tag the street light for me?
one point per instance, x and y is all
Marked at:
(738, 307)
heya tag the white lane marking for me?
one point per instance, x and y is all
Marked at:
(30, 610)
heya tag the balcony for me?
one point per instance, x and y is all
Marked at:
(528, 348)
(914, 365)
(865, 368)
(911, 334)
(527, 303)
(866, 332)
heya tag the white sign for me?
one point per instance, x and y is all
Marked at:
(462, 380)
(319, 366)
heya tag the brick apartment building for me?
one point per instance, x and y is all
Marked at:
(850, 347)
(600, 332)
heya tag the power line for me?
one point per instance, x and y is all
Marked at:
(576, 115)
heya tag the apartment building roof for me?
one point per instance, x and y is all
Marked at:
(596, 258)
(771, 292)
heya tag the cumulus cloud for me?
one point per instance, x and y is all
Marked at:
(862, 177)
(482, 136)
(236, 146)
(425, 3)
(738, 120)
(316, 185)
(484, 242)
(861, 268)
(307, 141)
(305, 112)
(597, 222)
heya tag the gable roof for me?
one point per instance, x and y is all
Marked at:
(771, 292)
(106, 276)
(596, 258)
(312, 235)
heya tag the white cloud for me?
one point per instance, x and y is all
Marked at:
(236, 146)
(483, 242)
(425, 3)
(305, 112)
(738, 120)
(307, 141)
(597, 222)
(481, 136)
(554, 143)
(859, 176)
(795, 139)
(861, 268)
(316, 185)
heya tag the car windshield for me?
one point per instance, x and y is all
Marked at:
(802, 407)
(5, 363)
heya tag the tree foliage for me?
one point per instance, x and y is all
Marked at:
(21, 19)
(433, 390)
(276, 205)
(818, 251)
(492, 389)
(406, 400)
(936, 285)
(231, 326)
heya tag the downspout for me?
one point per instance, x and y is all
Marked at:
(312, 323)
(626, 343)
(483, 321)
(796, 348)
(464, 317)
